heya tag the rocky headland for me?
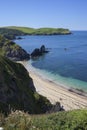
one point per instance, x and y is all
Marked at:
(12, 51)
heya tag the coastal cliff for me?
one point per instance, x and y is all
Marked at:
(17, 91)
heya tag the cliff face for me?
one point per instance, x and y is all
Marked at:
(12, 51)
(17, 91)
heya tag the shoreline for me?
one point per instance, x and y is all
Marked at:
(69, 98)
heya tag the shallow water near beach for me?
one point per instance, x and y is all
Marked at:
(66, 63)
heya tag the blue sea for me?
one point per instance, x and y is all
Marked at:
(66, 62)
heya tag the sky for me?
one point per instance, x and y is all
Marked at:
(71, 14)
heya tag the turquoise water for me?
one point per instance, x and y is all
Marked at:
(66, 67)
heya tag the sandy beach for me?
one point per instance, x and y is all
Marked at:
(56, 93)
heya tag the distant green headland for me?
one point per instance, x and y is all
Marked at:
(39, 31)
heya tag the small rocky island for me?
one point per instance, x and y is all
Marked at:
(39, 51)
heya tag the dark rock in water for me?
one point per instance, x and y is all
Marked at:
(65, 49)
(19, 38)
(39, 52)
(42, 49)
(36, 52)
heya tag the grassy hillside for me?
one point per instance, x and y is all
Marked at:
(41, 31)
(72, 120)
(23, 29)
(17, 90)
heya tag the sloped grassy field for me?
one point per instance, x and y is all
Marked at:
(71, 120)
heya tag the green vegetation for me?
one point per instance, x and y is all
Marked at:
(23, 29)
(51, 31)
(41, 31)
(71, 120)
(17, 90)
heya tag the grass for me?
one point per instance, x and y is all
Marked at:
(23, 29)
(71, 120)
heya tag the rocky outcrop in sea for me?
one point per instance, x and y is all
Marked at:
(39, 51)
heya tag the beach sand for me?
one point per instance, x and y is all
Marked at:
(56, 93)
